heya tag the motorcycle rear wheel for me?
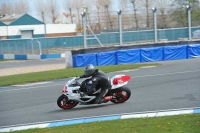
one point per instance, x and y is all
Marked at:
(121, 94)
(64, 103)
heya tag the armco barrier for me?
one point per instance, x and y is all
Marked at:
(82, 60)
(128, 56)
(122, 56)
(140, 55)
(151, 54)
(193, 50)
(106, 58)
(30, 57)
(175, 52)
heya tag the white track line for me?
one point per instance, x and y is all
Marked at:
(164, 74)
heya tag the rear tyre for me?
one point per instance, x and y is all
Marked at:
(64, 103)
(121, 94)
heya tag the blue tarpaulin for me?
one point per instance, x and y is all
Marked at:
(81, 60)
(175, 52)
(128, 56)
(151, 54)
(106, 58)
(193, 50)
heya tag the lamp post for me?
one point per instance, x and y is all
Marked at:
(120, 25)
(189, 22)
(84, 26)
(155, 24)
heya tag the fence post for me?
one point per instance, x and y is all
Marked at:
(39, 45)
(8, 48)
(155, 25)
(15, 48)
(1, 48)
(189, 22)
(84, 28)
(120, 26)
(32, 49)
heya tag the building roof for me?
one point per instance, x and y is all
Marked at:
(2, 24)
(19, 19)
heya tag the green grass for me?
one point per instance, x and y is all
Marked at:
(169, 124)
(4, 60)
(62, 73)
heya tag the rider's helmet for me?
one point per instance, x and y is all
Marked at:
(89, 70)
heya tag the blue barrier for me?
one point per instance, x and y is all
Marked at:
(29, 57)
(151, 54)
(45, 56)
(193, 50)
(138, 55)
(20, 57)
(175, 52)
(82, 60)
(1, 56)
(106, 58)
(128, 56)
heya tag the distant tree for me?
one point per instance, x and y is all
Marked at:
(6, 8)
(78, 6)
(106, 4)
(135, 7)
(70, 6)
(41, 9)
(21, 7)
(53, 10)
(180, 12)
(148, 5)
(164, 19)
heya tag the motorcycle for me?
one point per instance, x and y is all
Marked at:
(73, 92)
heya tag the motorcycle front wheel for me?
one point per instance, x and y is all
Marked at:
(121, 94)
(64, 103)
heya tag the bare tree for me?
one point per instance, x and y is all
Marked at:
(135, 6)
(41, 8)
(53, 10)
(163, 18)
(6, 8)
(78, 7)
(70, 5)
(106, 5)
(98, 8)
(21, 7)
(147, 4)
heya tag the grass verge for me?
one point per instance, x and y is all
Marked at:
(169, 124)
(62, 73)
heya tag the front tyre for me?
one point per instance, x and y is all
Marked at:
(64, 103)
(121, 94)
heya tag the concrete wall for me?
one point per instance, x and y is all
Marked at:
(15, 30)
(60, 28)
(3, 30)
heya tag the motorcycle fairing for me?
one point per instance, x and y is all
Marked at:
(119, 80)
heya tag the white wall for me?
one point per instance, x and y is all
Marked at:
(3, 30)
(60, 28)
(15, 30)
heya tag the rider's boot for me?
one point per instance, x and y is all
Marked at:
(105, 99)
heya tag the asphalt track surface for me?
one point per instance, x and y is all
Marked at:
(174, 85)
(26, 63)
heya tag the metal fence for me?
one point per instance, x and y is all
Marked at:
(114, 28)
(23, 47)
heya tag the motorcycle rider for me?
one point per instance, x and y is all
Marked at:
(99, 80)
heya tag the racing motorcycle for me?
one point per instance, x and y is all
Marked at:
(73, 92)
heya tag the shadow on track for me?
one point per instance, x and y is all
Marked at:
(82, 107)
